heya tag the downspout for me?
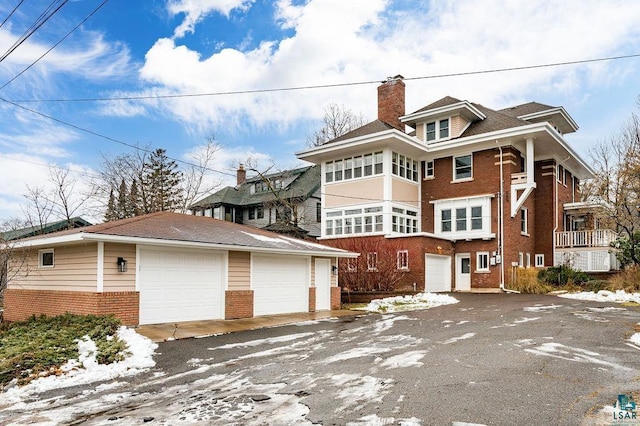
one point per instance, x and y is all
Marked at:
(501, 225)
(556, 224)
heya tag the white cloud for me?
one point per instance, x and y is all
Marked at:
(363, 40)
(196, 10)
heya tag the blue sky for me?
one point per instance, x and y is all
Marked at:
(168, 47)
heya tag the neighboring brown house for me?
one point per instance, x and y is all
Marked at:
(463, 196)
(170, 267)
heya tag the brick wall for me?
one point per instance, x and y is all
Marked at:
(335, 298)
(21, 304)
(312, 299)
(238, 304)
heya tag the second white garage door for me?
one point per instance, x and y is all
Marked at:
(437, 273)
(180, 285)
(280, 284)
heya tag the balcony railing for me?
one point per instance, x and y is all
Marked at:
(592, 238)
(518, 178)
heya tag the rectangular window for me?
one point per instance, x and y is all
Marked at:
(352, 265)
(461, 219)
(368, 224)
(338, 170)
(368, 164)
(378, 163)
(521, 259)
(328, 230)
(372, 261)
(476, 218)
(414, 171)
(482, 261)
(318, 212)
(539, 260)
(446, 220)
(46, 258)
(378, 224)
(524, 221)
(251, 213)
(348, 168)
(357, 225)
(260, 212)
(338, 223)
(401, 168)
(430, 134)
(394, 163)
(348, 225)
(328, 176)
(427, 170)
(444, 128)
(462, 168)
(528, 257)
(357, 166)
(403, 260)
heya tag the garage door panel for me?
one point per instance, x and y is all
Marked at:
(180, 285)
(280, 284)
(437, 273)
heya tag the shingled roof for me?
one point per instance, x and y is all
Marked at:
(183, 228)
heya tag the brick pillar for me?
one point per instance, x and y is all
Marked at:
(336, 303)
(312, 299)
(238, 304)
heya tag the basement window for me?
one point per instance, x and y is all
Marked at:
(45, 258)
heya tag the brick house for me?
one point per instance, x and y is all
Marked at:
(458, 193)
(286, 202)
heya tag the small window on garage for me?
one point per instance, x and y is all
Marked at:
(539, 260)
(46, 259)
(482, 262)
(403, 260)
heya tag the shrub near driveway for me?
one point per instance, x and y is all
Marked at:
(41, 345)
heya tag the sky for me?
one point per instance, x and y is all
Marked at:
(220, 61)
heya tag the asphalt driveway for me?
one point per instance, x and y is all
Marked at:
(493, 359)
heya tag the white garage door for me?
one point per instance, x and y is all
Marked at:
(437, 273)
(180, 285)
(280, 284)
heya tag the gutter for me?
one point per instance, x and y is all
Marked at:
(501, 225)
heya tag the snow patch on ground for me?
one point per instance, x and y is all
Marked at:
(560, 351)
(86, 369)
(358, 391)
(410, 303)
(619, 296)
(258, 342)
(264, 238)
(407, 359)
(457, 339)
(541, 308)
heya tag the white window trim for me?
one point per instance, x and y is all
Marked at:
(352, 265)
(528, 257)
(44, 251)
(453, 203)
(437, 130)
(372, 261)
(482, 254)
(433, 169)
(453, 165)
(402, 259)
(524, 214)
(539, 259)
(521, 260)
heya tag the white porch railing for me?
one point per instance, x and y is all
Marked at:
(591, 238)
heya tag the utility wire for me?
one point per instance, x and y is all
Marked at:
(40, 21)
(11, 13)
(56, 44)
(325, 86)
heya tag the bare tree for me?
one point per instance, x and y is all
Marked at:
(338, 120)
(39, 208)
(67, 199)
(10, 253)
(195, 184)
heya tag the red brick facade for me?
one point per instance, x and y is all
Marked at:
(335, 298)
(312, 299)
(21, 304)
(238, 304)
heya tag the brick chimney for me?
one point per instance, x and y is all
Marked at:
(241, 175)
(391, 101)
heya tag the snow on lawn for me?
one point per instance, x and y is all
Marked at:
(410, 303)
(86, 369)
(619, 296)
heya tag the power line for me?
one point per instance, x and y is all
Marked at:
(56, 44)
(40, 21)
(326, 86)
(11, 13)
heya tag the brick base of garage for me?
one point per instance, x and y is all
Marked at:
(238, 304)
(312, 299)
(335, 298)
(21, 304)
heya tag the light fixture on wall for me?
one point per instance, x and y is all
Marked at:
(334, 269)
(122, 264)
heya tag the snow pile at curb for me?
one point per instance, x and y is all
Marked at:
(409, 303)
(619, 296)
(86, 369)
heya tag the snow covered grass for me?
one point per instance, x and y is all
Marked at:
(618, 296)
(409, 303)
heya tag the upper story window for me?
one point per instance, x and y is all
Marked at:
(436, 130)
(428, 171)
(353, 221)
(463, 218)
(463, 167)
(45, 258)
(524, 221)
(404, 167)
(353, 167)
(404, 221)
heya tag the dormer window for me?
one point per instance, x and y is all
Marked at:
(437, 130)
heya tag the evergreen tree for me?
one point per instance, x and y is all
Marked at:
(161, 183)
(123, 209)
(111, 213)
(135, 200)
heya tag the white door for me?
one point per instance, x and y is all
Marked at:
(463, 272)
(323, 284)
(280, 284)
(180, 285)
(437, 273)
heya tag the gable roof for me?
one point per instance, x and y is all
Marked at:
(301, 182)
(375, 126)
(525, 109)
(74, 222)
(176, 229)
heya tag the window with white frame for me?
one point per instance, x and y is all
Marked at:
(403, 260)
(46, 258)
(539, 259)
(482, 261)
(354, 167)
(352, 265)
(524, 221)
(463, 218)
(560, 175)
(404, 167)
(404, 221)
(428, 171)
(354, 221)
(372, 261)
(528, 257)
(463, 167)
(437, 130)
(521, 259)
